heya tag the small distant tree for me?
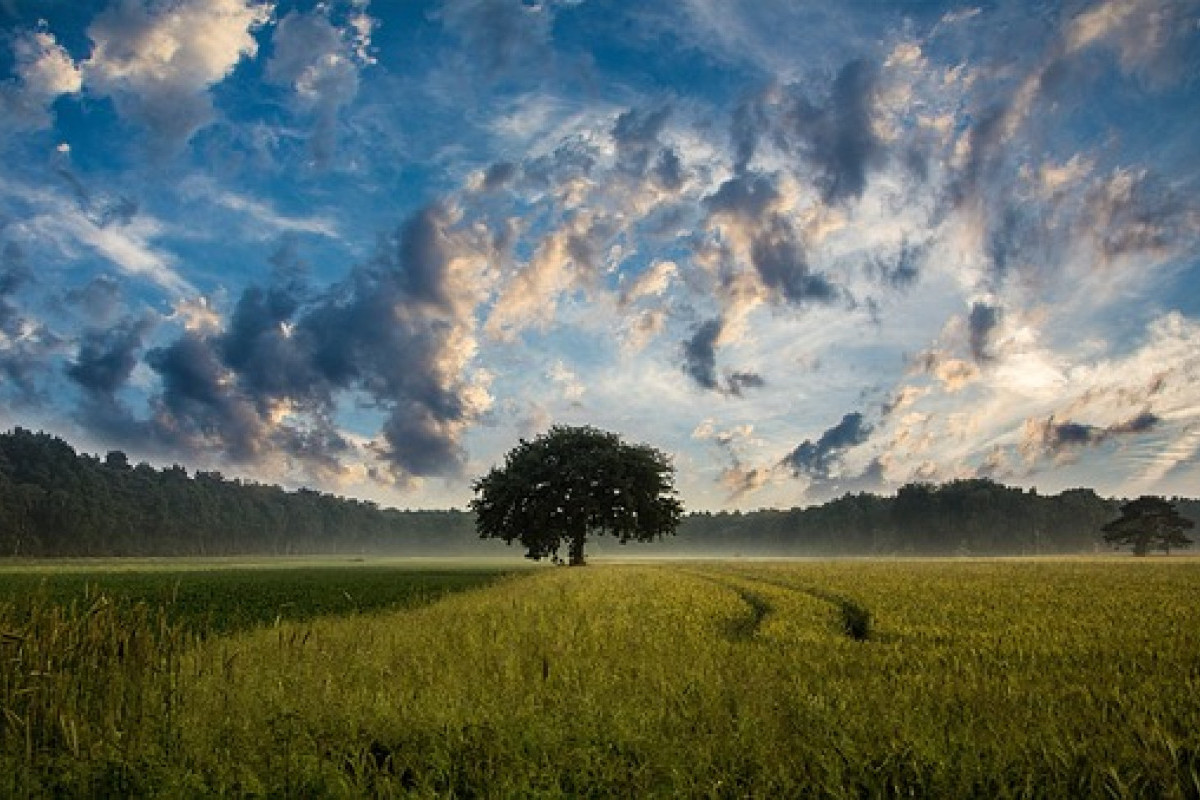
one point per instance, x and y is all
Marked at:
(574, 482)
(1148, 523)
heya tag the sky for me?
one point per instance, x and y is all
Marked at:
(803, 248)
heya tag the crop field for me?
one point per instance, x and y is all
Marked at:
(208, 597)
(1042, 678)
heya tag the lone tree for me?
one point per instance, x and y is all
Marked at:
(1146, 523)
(573, 482)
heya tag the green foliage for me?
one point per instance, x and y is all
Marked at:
(96, 667)
(976, 679)
(54, 502)
(1148, 523)
(963, 517)
(209, 600)
(573, 482)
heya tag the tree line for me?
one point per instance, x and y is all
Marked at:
(56, 502)
(976, 517)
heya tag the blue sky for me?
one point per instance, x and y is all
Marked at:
(804, 248)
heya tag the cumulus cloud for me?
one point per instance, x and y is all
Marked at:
(497, 176)
(107, 356)
(44, 72)
(736, 478)
(639, 152)
(778, 255)
(954, 373)
(565, 257)
(158, 60)
(899, 269)
(320, 63)
(398, 332)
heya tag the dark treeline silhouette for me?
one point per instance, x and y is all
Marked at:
(56, 502)
(963, 517)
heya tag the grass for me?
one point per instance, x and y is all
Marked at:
(224, 596)
(827, 679)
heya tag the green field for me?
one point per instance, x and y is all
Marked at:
(1051, 678)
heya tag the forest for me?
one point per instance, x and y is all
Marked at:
(55, 502)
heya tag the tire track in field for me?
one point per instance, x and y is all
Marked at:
(854, 617)
(741, 629)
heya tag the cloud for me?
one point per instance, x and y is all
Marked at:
(901, 269)
(129, 247)
(838, 137)
(569, 383)
(818, 460)
(158, 60)
(654, 282)
(904, 397)
(199, 409)
(639, 151)
(396, 333)
(779, 258)
(747, 197)
(1154, 40)
(699, 354)
(982, 322)
(45, 71)
(24, 344)
(1130, 213)
(498, 175)
(320, 63)
(641, 328)
(954, 373)
(14, 269)
(501, 34)
(737, 381)
(264, 348)
(261, 219)
(1049, 437)
(779, 38)
(748, 214)
(107, 356)
(564, 258)
(737, 479)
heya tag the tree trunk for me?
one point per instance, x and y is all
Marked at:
(577, 550)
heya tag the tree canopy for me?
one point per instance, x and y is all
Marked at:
(573, 482)
(1146, 523)
(56, 502)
